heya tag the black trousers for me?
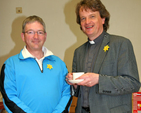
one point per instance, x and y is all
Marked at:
(85, 110)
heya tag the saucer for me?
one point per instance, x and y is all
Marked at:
(76, 81)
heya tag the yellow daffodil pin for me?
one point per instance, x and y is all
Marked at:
(106, 48)
(49, 66)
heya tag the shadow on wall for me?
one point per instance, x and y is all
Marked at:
(70, 19)
(16, 37)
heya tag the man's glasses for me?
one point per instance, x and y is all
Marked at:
(31, 32)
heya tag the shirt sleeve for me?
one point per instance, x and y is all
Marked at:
(66, 96)
(8, 89)
(123, 77)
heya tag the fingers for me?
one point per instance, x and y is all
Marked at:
(69, 77)
(89, 79)
(88, 84)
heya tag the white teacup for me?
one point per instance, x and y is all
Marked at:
(77, 74)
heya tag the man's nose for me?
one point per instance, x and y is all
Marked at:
(36, 35)
(87, 20)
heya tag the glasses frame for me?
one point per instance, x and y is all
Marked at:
(32, 32)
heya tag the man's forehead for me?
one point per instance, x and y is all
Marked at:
(87, 9)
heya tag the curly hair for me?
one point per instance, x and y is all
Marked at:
(94, 5)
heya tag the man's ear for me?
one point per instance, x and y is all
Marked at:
(22, 35)
(45, 36)
(103, 20)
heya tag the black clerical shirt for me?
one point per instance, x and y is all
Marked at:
(90, 59)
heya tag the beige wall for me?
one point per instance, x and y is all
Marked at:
(64, 34)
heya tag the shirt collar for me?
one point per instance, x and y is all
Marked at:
(26, 53)
(91, 41)
(98, 39)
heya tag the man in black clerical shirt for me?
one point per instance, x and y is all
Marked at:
(109, 63)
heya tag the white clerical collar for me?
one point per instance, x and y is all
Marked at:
(91, 42)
